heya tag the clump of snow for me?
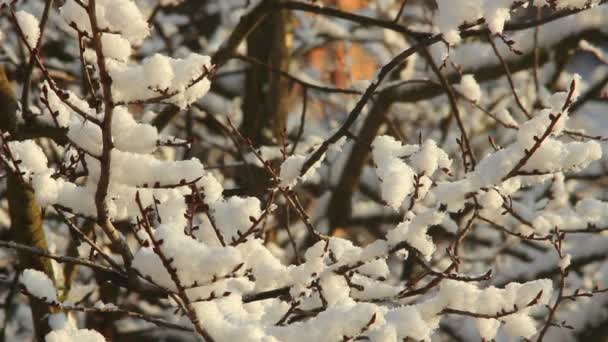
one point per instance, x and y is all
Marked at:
(565, 261)
(292, 167)
(58, 321)
(32, 159)
(29, 27)
(195, 261)
(127, 18)
(591, 208)
(450, 16)
(290, 170)
(519, 325)
(158, 71)
(74, 335)
(211, 188)
(429, 158)
(491, 199)
(39, 285)
(396, 176)
(469, 87)
(115, 46)
(55, 111)
(176, 81)
(123, 17)
(505, 117)
(131, 136)
(85, 134)
(408, 322)
(413, 231)
(232, 225)
(488, 327)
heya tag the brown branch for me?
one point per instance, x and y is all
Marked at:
(116, 310)
(499, 314)
(48, 4)
(589, 95)
(359, 19)
(168, 265)
(509, 76)
(455, 111)
(528, 153)
(365, 98)
(103, 184)
(60, 258)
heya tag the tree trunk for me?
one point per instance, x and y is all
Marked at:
(265, 102)
(25, 213)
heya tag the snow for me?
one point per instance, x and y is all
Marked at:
(85, 134)
(228, 317)
(72, 12)
(58, 321)
(211, 188)
(504, 116)
(46, 189)
(413, 231)
(131, 136)
(519, 325)
(591, 208)
(195, 261)
(58, 109)
(491, 199)
(215, 260)
(158, 71)
(292, 167)
(565, 261)
(495, 12)
(290, 170)
(408, 323)
(452, 193)
(469, 88)
(32, 159)
(475, 55)
(74, 335)
(487, 327)
(172, 80)
(232, 225)
(429, 158)
(115, 46)
(29, 26)
(396, 176)
(39, 285)
(450, 16)
(116, 15)
(126, 17)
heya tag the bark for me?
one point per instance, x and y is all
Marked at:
(266, 96)
(25, 214)
(265, 101)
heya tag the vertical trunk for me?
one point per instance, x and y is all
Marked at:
(265, 102)
(339, 208)
(25, 213)
(26, 228)
(266, 92)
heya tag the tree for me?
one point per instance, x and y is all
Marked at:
(179, 170)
